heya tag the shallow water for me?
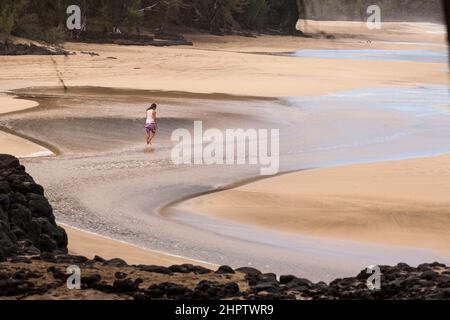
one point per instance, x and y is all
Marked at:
(372, 124)
(377, 55)
(356, 126)
(105, 180)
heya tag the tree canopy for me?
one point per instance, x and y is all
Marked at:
(46, 19)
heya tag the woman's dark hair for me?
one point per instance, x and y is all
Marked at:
(153, 107)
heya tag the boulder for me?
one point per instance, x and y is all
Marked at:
(225, 270)
(27, 223)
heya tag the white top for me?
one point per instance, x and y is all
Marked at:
(150, 119)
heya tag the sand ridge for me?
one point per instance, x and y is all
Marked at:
(395, 202)
(215, 64)
(88, 244)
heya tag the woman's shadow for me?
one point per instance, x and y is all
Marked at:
(149, 150)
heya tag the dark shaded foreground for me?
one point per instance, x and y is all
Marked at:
(34, 265)
(45, 277)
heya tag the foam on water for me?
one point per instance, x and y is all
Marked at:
(416, 100)
(373, 125)
(378, 55)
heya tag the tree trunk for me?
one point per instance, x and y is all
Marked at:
(293, 9)
(446, 5)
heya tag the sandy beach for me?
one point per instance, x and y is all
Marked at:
(396, 202)
(214, 63)
(103, 179)
(12, 104)
(88, 244)
(12, 144)
(20, 147)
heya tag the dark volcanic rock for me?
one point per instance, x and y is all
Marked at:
(120, 275)
(287, 278)
(249, 271)
(225, 270)
(167, 290)
(162, 40)
(29, 49)
(189, 268)
(20, 259)
(34, 260)
(98, 259)
(208, 290)
(299, 284)
(126, 285)
(8, 241)
(48, 257)
(91, 281)
(115, 263)
(70, 259)
(21, 277)
(27, 223)
(155, 269)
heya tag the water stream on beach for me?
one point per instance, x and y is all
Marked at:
(356, 126)
(104, 181)
(372, 124)
(376, 55)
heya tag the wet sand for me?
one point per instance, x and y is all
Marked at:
(224, 65)
(12, 144)
(118, 189)
(397, 203)
(20, 147)
(10, 103)
(104, 180)
(89, 245)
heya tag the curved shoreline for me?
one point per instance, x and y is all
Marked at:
(121, 209)
(163, 210)
(170, 224)
(27, 92)
(53, 149)
(16, 104)
(132, 253)
(34, 147)
(220, 205)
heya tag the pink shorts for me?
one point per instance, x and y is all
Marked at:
(150, 128)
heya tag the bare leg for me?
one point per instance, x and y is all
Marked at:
(147, 137)
(152, 135)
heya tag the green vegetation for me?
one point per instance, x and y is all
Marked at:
(6, 23)
(9, 11)
(46, 19)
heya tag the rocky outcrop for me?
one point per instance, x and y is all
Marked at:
(45, 277)
(27, 223)
(160, 40)
(34, 265)
(11, 49)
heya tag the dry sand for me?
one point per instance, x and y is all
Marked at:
(214, 64)
(89, 244)
(397, 202)
(9, 103)
(379, 209)
(12, 144)
(20, 147)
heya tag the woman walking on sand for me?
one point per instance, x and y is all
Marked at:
(150, 123)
